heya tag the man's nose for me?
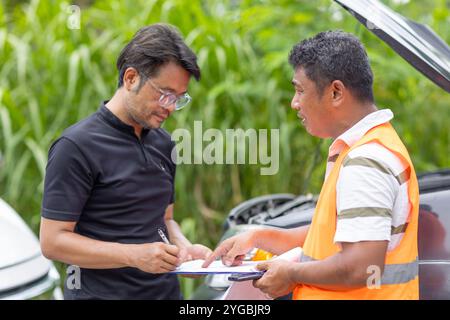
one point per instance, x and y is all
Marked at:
(295, 104)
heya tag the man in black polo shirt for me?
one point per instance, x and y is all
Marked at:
(109, 184)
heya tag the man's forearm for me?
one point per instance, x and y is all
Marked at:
(278, 241)
(332, 273)
(75, 249)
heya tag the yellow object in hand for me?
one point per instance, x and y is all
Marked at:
(262, 255)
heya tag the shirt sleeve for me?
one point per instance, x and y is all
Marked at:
(365, 196)
(68, 182)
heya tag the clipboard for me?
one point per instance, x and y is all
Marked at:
(194, 267)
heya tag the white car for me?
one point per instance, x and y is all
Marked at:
(24, 272)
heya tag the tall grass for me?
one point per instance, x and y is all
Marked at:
(52, 76)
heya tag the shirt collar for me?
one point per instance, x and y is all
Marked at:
(355, 133)
(115, 122)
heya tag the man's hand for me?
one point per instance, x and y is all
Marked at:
(193, 252)
(232, 250)
(276, 281)
(156, 257)
(199, 251)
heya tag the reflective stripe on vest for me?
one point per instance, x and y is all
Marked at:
(393, 273)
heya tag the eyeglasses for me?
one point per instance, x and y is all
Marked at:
(168, 98)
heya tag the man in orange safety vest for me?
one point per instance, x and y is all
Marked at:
(362, 242)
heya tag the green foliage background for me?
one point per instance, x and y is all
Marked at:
(52, 76)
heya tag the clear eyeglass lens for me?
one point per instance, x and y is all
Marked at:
(167, 100)
(182, 101)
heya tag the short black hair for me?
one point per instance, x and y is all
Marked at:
(335, 55)
(152, 47)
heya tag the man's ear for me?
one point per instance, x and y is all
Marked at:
(337, 91)
(130, 79)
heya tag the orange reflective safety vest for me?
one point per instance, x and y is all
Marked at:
(400, 277)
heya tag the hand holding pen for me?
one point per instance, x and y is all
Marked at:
(183, 254)
(154, 257)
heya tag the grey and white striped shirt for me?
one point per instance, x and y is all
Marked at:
(372, 188)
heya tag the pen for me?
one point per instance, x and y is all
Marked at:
(163, 236)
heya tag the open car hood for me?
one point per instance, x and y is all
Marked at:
(416, 43)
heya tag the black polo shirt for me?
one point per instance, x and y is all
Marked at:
(117, 188)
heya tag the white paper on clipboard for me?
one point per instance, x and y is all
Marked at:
(216, 267)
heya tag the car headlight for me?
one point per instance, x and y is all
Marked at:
(45, 288)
